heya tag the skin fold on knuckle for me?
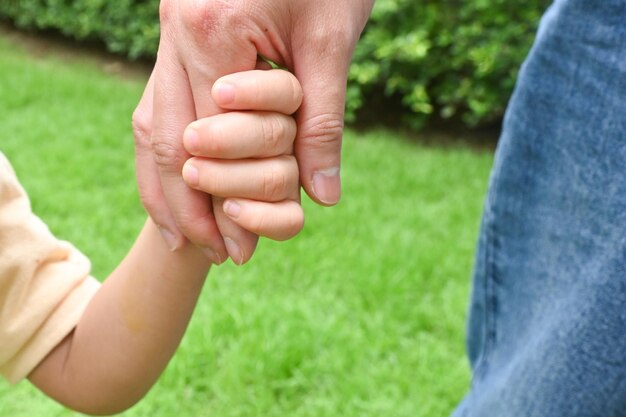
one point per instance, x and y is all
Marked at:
(274, 185)
(332, 38)
(199, 18)
(208, 20)
(167, 155)
(273, 133)
(322, 129)
(166, 11)
(142, 129)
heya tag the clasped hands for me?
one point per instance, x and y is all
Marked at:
(236, 124)
(244, 159)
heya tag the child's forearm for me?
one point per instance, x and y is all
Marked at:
(129, 331)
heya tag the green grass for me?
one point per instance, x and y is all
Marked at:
(361, 315)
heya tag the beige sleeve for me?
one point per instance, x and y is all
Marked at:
(44, 283)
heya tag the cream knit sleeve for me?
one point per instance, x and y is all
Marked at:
(44, 283)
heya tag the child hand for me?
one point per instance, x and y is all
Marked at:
(246, 157)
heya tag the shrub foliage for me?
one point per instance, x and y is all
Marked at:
(130, 27)
(445, 58)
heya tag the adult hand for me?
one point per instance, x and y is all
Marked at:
(203, 40)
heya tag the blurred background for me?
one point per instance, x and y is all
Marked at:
(425, 59)
(363, 314)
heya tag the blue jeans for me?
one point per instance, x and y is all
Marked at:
(547, 326)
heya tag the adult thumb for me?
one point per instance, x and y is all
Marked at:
(320, 122)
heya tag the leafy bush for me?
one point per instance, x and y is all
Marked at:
(444, 58)
(130, 27)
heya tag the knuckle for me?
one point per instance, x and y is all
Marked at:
(166, 11)
(332, 41)
(142, 129)
(273, 132)
(323, 129)
(206, 19)
(274, 185)
(198, 16)
(166, 154)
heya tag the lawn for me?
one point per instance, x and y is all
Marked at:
(361, 315)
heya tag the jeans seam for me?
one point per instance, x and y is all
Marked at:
(489, 290)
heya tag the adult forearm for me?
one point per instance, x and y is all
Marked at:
(129, 331)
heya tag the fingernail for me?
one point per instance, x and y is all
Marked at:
(327, 186)
(232, 208)
(225, 93)
(170, 239)
(212, 255)
(190, 175)
(234, 251)
(191, 139)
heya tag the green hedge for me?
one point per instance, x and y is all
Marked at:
(443, 58)
(130, 27)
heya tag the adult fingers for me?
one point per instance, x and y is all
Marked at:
(273, 179)
(148, 179)
(274, 90)
(238, 135)
(173, 111)
(278, 221)
(320, 118)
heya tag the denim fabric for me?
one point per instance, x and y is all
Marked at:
(547, 327)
